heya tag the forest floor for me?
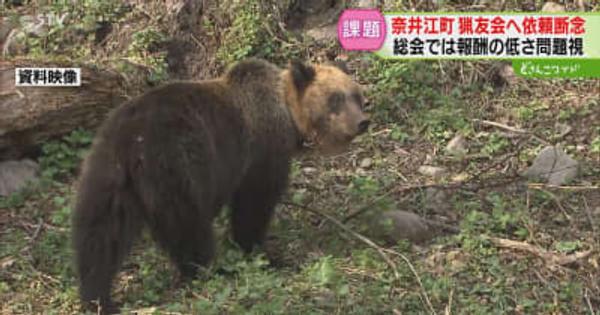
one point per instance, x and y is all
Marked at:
(497, 244)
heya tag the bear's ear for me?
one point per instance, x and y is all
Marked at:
(341, 65)
(302, 75)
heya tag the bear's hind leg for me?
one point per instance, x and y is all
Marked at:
(186, 235)
(104, 229)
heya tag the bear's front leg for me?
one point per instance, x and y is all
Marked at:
(255, 200)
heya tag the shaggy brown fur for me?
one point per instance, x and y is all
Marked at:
(170, 159)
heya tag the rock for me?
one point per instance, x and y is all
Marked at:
(428, 159)
(397, 225)
(581, 5)
(553, 7)
(506, 74)
(14, 175)
(366, 163)
(432, 171)
(436, 199)
(145, 311)
(460, 177)
(323, 33)
(309, 170)
(457, 146)
(553, 165)
(366, 4)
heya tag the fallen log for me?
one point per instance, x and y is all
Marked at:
(30, 116)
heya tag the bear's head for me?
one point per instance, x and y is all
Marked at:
(326, 105)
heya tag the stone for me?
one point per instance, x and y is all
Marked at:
(396, 225)
(366, 163)
(554, 166)
(14, 175)
(366, 4)
(457, 146)
(437, 199)
(323, 33)
(432, 171)
(553, 7)
(506, 73)
(309, 170)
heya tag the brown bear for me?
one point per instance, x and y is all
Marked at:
(171, 158)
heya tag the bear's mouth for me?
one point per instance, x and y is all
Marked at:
(328, 145)
(333, 146)
(333, 150)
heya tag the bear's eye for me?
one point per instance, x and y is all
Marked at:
(357, 97)
(336, 102)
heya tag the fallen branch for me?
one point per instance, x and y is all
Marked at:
(512, 129)
(34, 237)
(586, 294)
(549, 257)
(448, 309)
(541, 186)
(502, 126)
(382, 251)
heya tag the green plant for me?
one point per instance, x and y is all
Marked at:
(567, 113)
(14, 200)
(528, 112)
(62, 215)
(142, 50)
(145, 40)
(253, 32)
(496, 144)
(595, 145)
(506, 214)
(52, 254)
(525, 113)
(397, 134)
(413, 92)
(567, 246)
(75, 34)
(61, 157)
(443, 122)
(363, 186)
(323, 272)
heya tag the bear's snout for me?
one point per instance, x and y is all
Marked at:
(363, 126)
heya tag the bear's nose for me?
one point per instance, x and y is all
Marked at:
(363, 126)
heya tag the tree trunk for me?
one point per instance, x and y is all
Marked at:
(31, 115)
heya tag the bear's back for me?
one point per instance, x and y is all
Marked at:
(214, 129)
